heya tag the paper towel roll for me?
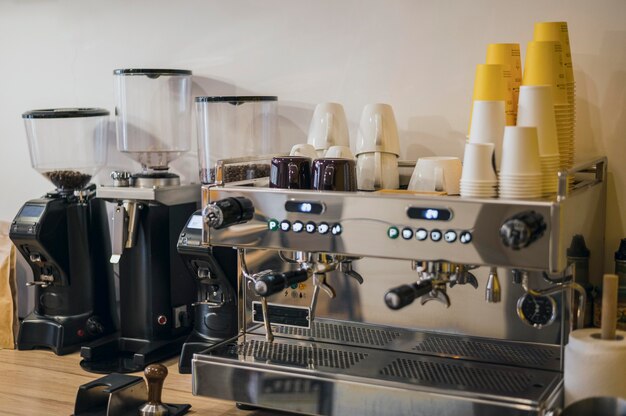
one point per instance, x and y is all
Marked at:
(593, 366)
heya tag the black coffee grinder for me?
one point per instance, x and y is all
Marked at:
(149, 209)
(215, 308)
(64, 235)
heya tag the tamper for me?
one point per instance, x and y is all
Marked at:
(155, 375)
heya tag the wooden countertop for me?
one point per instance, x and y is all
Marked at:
(39, 383)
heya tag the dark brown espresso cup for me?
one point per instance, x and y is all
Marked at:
(290, 172)
(334, 174)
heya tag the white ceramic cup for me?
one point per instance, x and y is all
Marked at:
(329, 127)
(520, 152)
(488, 121)
(341, 152)
(536, 108)
(437, 173)
(377, 170)
(304, 150)
(378, 131)
(477, 164)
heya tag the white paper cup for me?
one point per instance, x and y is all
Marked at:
(329, 127)
(437, 173)
(478, 163)
(520, 151)
(487, 126)
(378, 131)
(536, 108)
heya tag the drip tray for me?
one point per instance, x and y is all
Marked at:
(539, 356)
(315, 377)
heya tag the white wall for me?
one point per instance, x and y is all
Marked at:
(416, 55)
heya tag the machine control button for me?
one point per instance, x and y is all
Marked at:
(272, 224)
(311, 227)
(35, 258)
(421, 234)
(435, 235)
(323, 228)
(465, 237)
(285, 225)
(522, 229)
(162, 320)
(392, 232)
(450, 236)
(407, 233)
(297, 226)
(336, 229)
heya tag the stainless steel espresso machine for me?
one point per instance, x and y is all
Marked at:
(64, 234)
(149, 208)
(392, 304)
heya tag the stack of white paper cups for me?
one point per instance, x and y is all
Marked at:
(536, 109)
(478, 178)
(520, 172)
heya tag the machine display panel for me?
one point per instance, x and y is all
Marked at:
(430, 214)
(305, 207)
(32, 212)
(195, 222)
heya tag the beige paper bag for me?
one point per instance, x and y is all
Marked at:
(8, 289)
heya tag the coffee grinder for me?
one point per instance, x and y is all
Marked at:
(233, 132)
(64, 235)
(149, 208)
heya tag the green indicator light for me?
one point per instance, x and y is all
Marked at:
(392, 232)
(272, 224)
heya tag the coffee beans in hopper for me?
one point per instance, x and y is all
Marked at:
(68, 179)
(235, 173)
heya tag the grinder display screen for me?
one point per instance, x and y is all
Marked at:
(32, 211)
(430, 214)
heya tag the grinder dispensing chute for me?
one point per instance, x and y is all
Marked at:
(64, 235)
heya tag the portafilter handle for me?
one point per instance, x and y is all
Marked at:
(155, 375)
(401, 296)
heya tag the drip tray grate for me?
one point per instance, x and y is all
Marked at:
(299, 355)
(458, 376)
(340, 332)
(516, 354)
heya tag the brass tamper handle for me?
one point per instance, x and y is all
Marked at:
(155, 375)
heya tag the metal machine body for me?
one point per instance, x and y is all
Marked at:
(155, 289)
(327, 284)
(64, 238)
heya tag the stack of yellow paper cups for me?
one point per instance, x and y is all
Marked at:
(508, 55)
(565, 103)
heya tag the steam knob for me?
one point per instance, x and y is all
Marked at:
(269, 284)
(228, 211)
(522, 229)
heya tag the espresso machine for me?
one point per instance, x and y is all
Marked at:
(464, 304)
(148, 210)
(64, 234)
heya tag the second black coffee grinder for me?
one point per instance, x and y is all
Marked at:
(149, 208)
(64, 234)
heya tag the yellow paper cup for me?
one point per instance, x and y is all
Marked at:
(544, 66)
(489, 83)
(506, 54)
(557, 31)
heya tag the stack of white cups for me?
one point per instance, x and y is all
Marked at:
(520, 172)
(488, 121)
(478, 178)
(536, 109)
(377, 149)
